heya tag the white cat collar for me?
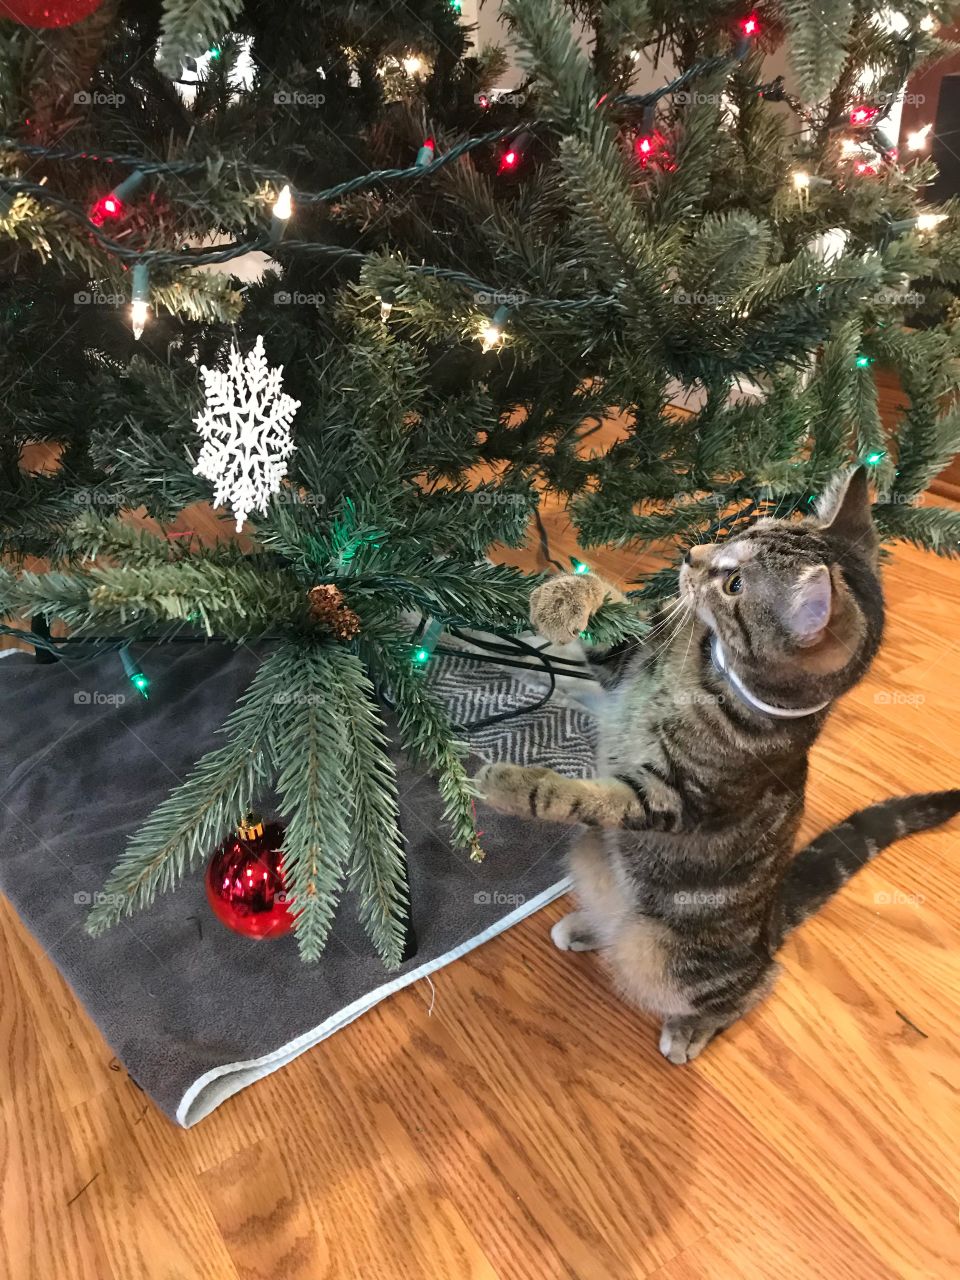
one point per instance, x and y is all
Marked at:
(781, 713)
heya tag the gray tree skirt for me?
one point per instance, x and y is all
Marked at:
(194, 1011)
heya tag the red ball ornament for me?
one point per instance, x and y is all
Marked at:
(245, 885)
(47, 13)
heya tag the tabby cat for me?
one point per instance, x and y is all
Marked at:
(686, 876)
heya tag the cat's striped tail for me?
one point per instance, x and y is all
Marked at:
(827, 863)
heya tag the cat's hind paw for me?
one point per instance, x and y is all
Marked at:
(575, 933)
(683, 1039)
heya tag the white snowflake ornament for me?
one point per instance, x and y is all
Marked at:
(246, 432)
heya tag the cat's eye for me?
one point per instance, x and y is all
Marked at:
(733, 584)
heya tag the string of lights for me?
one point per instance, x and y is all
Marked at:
(147, 258)
(422, 168)
(749, 28)
(375, 177)
(427, 163)
(650, 148)
(113, 206)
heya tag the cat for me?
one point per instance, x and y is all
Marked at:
(686, 876)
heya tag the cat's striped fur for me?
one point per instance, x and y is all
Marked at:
(686, 877)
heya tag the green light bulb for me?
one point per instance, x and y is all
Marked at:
(421, 656)
(580, 567)
(864, 362)
(874, 458)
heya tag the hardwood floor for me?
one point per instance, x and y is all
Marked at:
(520, 1124)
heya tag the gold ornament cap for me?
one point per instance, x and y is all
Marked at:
(250, 827)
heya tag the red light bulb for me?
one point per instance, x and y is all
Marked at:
(651, 148)
(864, 169)
(862, 115)
(750, 26)
(109, 206)
(427, 153)
(511, 159)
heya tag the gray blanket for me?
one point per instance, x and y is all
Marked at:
(194, 1011)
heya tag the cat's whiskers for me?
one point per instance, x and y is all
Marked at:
(666, 643)
(667, 619)
(693, 627)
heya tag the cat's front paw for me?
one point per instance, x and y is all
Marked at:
(560, 608)
(510, 788)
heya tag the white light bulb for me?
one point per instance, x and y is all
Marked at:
(929, 23)
(848, 147)
(917, 141)
(492, 336)
(139, 315)
(927, 221)
(283, 205)
(386, 306)
(412, 65)
(801, 180)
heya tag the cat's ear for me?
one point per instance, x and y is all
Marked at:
(807, 611)
(845, 510)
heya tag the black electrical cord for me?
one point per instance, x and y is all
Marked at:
(547, 666)
(108, 644)
(496, 653)
(545, 541)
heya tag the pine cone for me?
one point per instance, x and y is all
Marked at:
(328, 607)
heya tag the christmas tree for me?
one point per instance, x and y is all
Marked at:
(445, 288)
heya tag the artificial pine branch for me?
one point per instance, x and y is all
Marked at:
(926, 440)
(836, 395)
(186, 827)
(612, 235)
(871, 437)
(427, 734)
(308, 743)
(614, 621)
(929, 528)
(818, 42)
(199, 296)
(679, 192)
(927, 450)
(377, 864)
(234, 600)
(550, 52)
(724, 250)
(190, 26)
(598, 524)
